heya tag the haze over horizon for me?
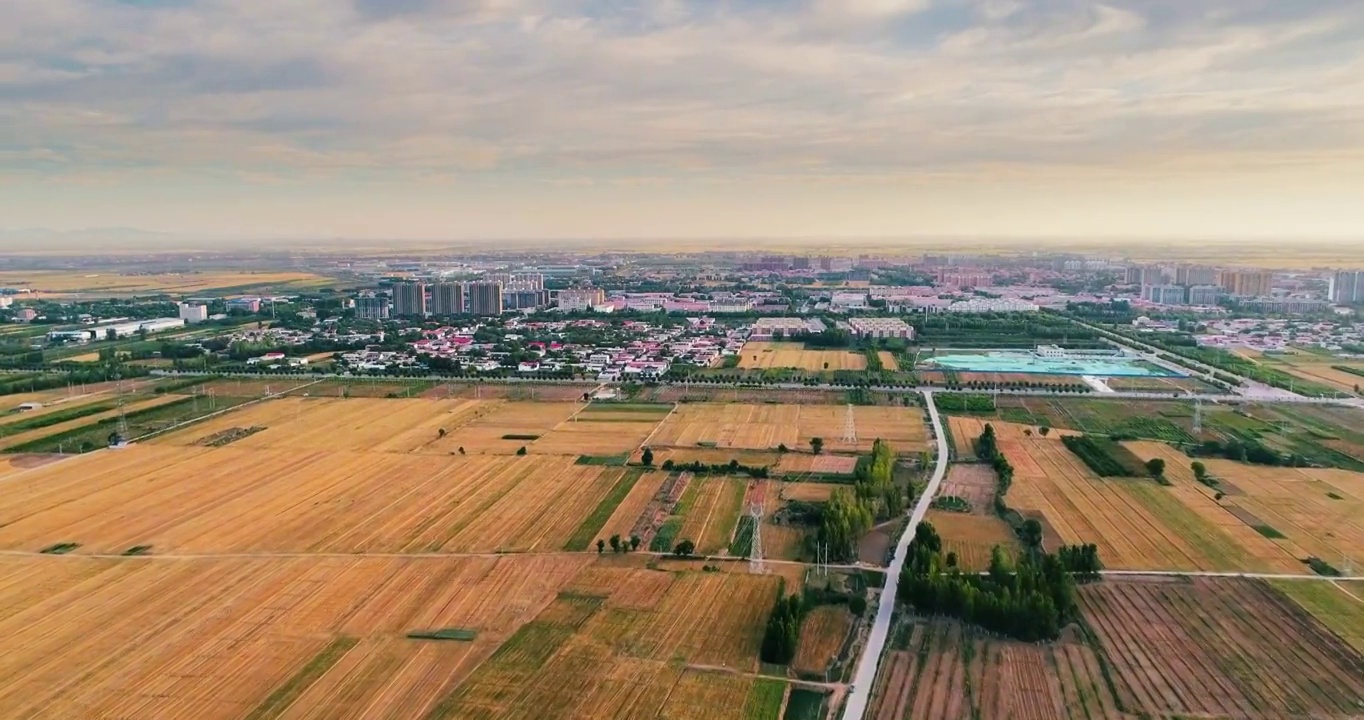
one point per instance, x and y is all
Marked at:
(435, 120)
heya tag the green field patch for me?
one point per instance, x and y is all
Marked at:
(742, 544)
(1220, 549)
(640, 408)
(1270, 532)
(764, 700)
(1104, 456)
(514, 436)
(608, 460)
(459, 634)
(805, 705)
(663, 539)
(587, 531)
(137, 550)
(285, 695)
(59, 548)
(55, 417)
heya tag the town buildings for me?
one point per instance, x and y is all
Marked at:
(1347, 287)
(881, 328)
(409, 299)
(193, 313)
(1247, 283)
(485, 298)
(580, 299)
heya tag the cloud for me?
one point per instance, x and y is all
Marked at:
(599, 92)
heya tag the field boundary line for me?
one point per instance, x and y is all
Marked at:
(202, 418)
(1346, 590)
(657, 427)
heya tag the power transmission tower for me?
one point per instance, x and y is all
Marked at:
(1198, 417)
(850, 427)
(755, 553)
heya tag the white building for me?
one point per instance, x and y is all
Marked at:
(848, 300)
(881, 328)
(193, 313)
(581, 299)
(5, 301)
(989, 305)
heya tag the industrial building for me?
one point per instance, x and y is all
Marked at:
(369, 307)
(448, 299)
(1347, 287)
(192, 314)
(767, 328)
(116, 330)
(581, 299)
(881, 328)
(485, 298)
(409, 300)
(251, 304)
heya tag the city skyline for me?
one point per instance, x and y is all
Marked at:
(437, 120)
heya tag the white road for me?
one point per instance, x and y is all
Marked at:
(860, 692)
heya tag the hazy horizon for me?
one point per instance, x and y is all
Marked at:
(810, 121)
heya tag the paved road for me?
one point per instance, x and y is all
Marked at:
(863, 681)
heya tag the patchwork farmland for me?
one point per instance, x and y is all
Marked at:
(763, 355)
(767, 427)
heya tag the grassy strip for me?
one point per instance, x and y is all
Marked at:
(591, 525)
(460, 634)
(286, 694)
(804, 705)
(59, 548)
(764, 700)
(663, 539)
(55, 418)
(742, 544)
(107, 425)
(608, 460)
(514, 436)
(179, 385)
(643, 408)
(1270, 532)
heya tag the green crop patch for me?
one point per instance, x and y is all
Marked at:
(458, 634)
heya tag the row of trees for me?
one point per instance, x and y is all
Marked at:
(851, 512)
(782, 634)
(1029, 597)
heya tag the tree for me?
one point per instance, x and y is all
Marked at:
(857, 605)
(816, 445)
(684, 548)
(1031, 533)
(601, 546)
(1200, 470)
(634, 543)
(1156, 466)
(461, 449)
(783, 449)
(951, 560)
(647, 457)
(1044, 430)
(668, 464)
(615, 543)
(1028, 432)
(521, 450)
(440, 432)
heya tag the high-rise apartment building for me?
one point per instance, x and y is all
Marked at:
(1195, 275)
(370, 307)
(485, 298)
(1163, 294)
(579, 299)
(1347, 287)
(516, 282)
(1205, 295)
(1247, 283)
(448, 299)
(409, 300)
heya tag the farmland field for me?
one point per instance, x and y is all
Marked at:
(765, 427)
(1137, 524)
(232, 499)
(1336, 605)
(821, 638)
(974, 483)
(46, 283)
(944, 671)
(712, 513)
(1219, 648)
(762, 355)
(972, 537)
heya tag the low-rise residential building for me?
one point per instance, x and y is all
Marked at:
(881, 328)
(193, 313)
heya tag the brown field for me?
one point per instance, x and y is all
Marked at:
(213, 638)
(525, 392)
(972, 537)
(622, 520)
(822, 636)
(1315, 369)
(933, 677)
(46, 283)
(1137, 524)
(11, 465)
(826, 464)
(763, 355)
(974, 483)
(764, 427)
(1296, 502)
(808, 492)
(965, 430)
(133, 405)
(1221, 648)
(888, 361)
(230, 499)
(585, 437)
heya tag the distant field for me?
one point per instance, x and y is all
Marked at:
(765, 427)
(49, 283)
(763, 355)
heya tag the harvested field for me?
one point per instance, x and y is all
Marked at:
(1325, 373)
(233, 638)
(1137, 524)
(973, 537)
(712, 511)
(11, 465)
(803, 463)
(888, 361)
(943, 670)
(765, 427)
(132, 406)
(232, 499)
(808, 492)
(1335, 605)
(822, 636)
(965, 431)
(519, 392)
(763, 355)
(623, 520)
(973, 483)
(1221, 648)
(584, 437)
(705, 393)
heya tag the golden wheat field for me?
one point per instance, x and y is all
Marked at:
(766, 427)
(763, 355)
(231, 499)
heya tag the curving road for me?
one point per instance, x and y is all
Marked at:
(863, 681)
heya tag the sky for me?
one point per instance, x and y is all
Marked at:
(486, 119)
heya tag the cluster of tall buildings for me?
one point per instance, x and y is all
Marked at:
(1347, 287)
(1198, 284)
(440, 299)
